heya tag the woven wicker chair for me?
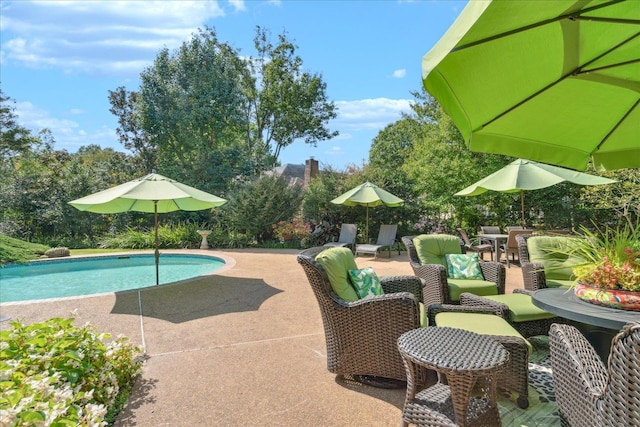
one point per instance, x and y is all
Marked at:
(533, 274)
(362, 336)
(515, 376)
(587, 392)
(436, 288)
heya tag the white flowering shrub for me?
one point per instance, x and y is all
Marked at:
(55, 374)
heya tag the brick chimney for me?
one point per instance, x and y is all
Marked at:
(310, 170)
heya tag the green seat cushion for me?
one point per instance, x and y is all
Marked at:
(366, 282)
(424, 321)
(553, 252)
(474, 286)
(337, 262)
(559, 283)
(432, 248)
(463, 266)
(484, 324)
(521, 308)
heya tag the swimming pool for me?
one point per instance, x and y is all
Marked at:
(95, 275)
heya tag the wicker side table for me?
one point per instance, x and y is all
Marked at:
(463, 357)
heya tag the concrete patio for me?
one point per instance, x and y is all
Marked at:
(244, 346)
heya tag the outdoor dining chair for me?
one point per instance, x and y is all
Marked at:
(469, 245)
(510, 247)
(348, 233)
(386, 239)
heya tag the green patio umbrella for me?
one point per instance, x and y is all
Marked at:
(152, 193)
(521, 175)
(552, 81)
(369, 195)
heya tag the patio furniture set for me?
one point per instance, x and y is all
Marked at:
(428, 330)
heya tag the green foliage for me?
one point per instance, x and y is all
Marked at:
(54, 373)
(285, 103)
(255, 206)
(14, 250)
(170, 236)
(612, 257)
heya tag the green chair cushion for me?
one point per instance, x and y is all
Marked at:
(474, 286)
(431, 248)
(366, 282)
(559, 283)
(463, 266)
(336, 263)
(521, 308)
(553, 253)
(424, 321)
(485, 324)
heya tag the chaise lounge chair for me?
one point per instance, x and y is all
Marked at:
(386, 239)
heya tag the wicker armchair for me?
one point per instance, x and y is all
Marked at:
(436, 287)
(515, 376)
(533, 273)
(587, 392)
(362, 336)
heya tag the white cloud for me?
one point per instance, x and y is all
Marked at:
(372, 114)
(238, 5)
(399, 74)
(105, 36)
(67, 133)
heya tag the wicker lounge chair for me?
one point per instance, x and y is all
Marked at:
(492, 321)
(533, 271)
(348, 233)
(436, 283)
(589, 393)
(386, 239)
(361, 336)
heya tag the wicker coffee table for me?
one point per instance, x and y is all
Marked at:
(463, 357)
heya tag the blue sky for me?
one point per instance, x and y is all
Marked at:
(59, 59)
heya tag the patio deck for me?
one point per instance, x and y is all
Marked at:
(242, 347)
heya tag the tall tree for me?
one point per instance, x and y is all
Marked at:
(285, 103)
(14, 138)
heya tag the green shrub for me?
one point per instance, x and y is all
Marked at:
(15, 250)
(53, 373)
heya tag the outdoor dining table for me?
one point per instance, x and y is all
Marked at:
(462, 357)
(597, 323)
(497, 240)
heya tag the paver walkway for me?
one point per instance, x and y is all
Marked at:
(244, 347)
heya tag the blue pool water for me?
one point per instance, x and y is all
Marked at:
(86, 276)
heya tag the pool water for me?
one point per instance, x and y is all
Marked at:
(86, 276)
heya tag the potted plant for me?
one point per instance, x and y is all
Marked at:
(610, 274)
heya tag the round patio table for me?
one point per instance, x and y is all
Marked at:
(598, 324)
(462, 357)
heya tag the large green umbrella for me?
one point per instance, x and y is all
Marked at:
(521, 175)
(151, 193)
(368, 194)
(553, 81)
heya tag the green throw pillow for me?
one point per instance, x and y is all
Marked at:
(463, 266)
(366, 282)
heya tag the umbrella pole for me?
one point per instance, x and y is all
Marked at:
(366, 235)
(522, 205)
(157, 253)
